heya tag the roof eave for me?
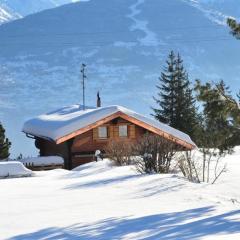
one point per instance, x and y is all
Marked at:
(34, 136)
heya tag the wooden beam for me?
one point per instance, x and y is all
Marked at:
(132, 120)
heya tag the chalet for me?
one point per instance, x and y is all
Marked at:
(75, 134)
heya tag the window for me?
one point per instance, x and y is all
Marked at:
(123, 131)
(102, 132)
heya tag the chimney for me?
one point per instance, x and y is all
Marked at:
(98, 100)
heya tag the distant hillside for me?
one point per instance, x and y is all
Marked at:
(15, 9)
(218, 8)
(124, 43)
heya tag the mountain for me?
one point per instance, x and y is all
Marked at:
(217, 10)
(7, 14)
(124, 44)
(15, 9)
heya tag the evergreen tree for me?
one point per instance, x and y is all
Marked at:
(217, 134)
(235, 30)
(176, 104)
(218, 118)
(233, 105)
(166, 92)
(4, 144)
(235, 27)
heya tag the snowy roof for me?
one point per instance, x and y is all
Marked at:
(13, 169)
(64, 121)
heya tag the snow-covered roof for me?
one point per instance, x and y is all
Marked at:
(13, 169)
(64, 121)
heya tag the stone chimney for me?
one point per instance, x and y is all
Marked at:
(98, 100)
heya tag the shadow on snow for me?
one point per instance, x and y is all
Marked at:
(102, 182)
(167, 226)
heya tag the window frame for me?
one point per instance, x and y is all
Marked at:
(105, 137)
(125, 129)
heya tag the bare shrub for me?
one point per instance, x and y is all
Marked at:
(120, 152)
(156, 154)
(189, 166)
(202, 166)
(212, 156)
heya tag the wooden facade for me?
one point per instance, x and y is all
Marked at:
(50, 148)
(81, 148)
(132, 120)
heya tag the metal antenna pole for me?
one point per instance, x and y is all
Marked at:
(83, 82)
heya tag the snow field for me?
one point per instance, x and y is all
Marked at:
(99, 201)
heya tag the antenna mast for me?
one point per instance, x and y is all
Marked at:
(83, 69)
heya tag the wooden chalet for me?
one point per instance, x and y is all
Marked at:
(75, 134)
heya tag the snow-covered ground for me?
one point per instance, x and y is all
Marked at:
(103, 202)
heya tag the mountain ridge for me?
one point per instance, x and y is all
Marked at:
(15, 9)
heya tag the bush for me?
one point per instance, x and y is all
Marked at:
(119, 152)
(189, 166)
(156, 154)
(203, 165)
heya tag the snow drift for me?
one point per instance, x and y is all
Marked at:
(99, 201)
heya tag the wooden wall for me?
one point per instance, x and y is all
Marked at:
(82, 148)
(48, 148)
(85, 145)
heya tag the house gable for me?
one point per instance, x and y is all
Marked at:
(91, 141)
(130, 119)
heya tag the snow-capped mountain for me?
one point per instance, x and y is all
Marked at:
(14, 9)
(7, 14)
(217, 10)
(124, 44)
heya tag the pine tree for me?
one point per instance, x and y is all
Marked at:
(217, 134)
(166, 92)
(235, 27)
(176, 104)
(235, 30)
(218, 117)
(4, 144)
